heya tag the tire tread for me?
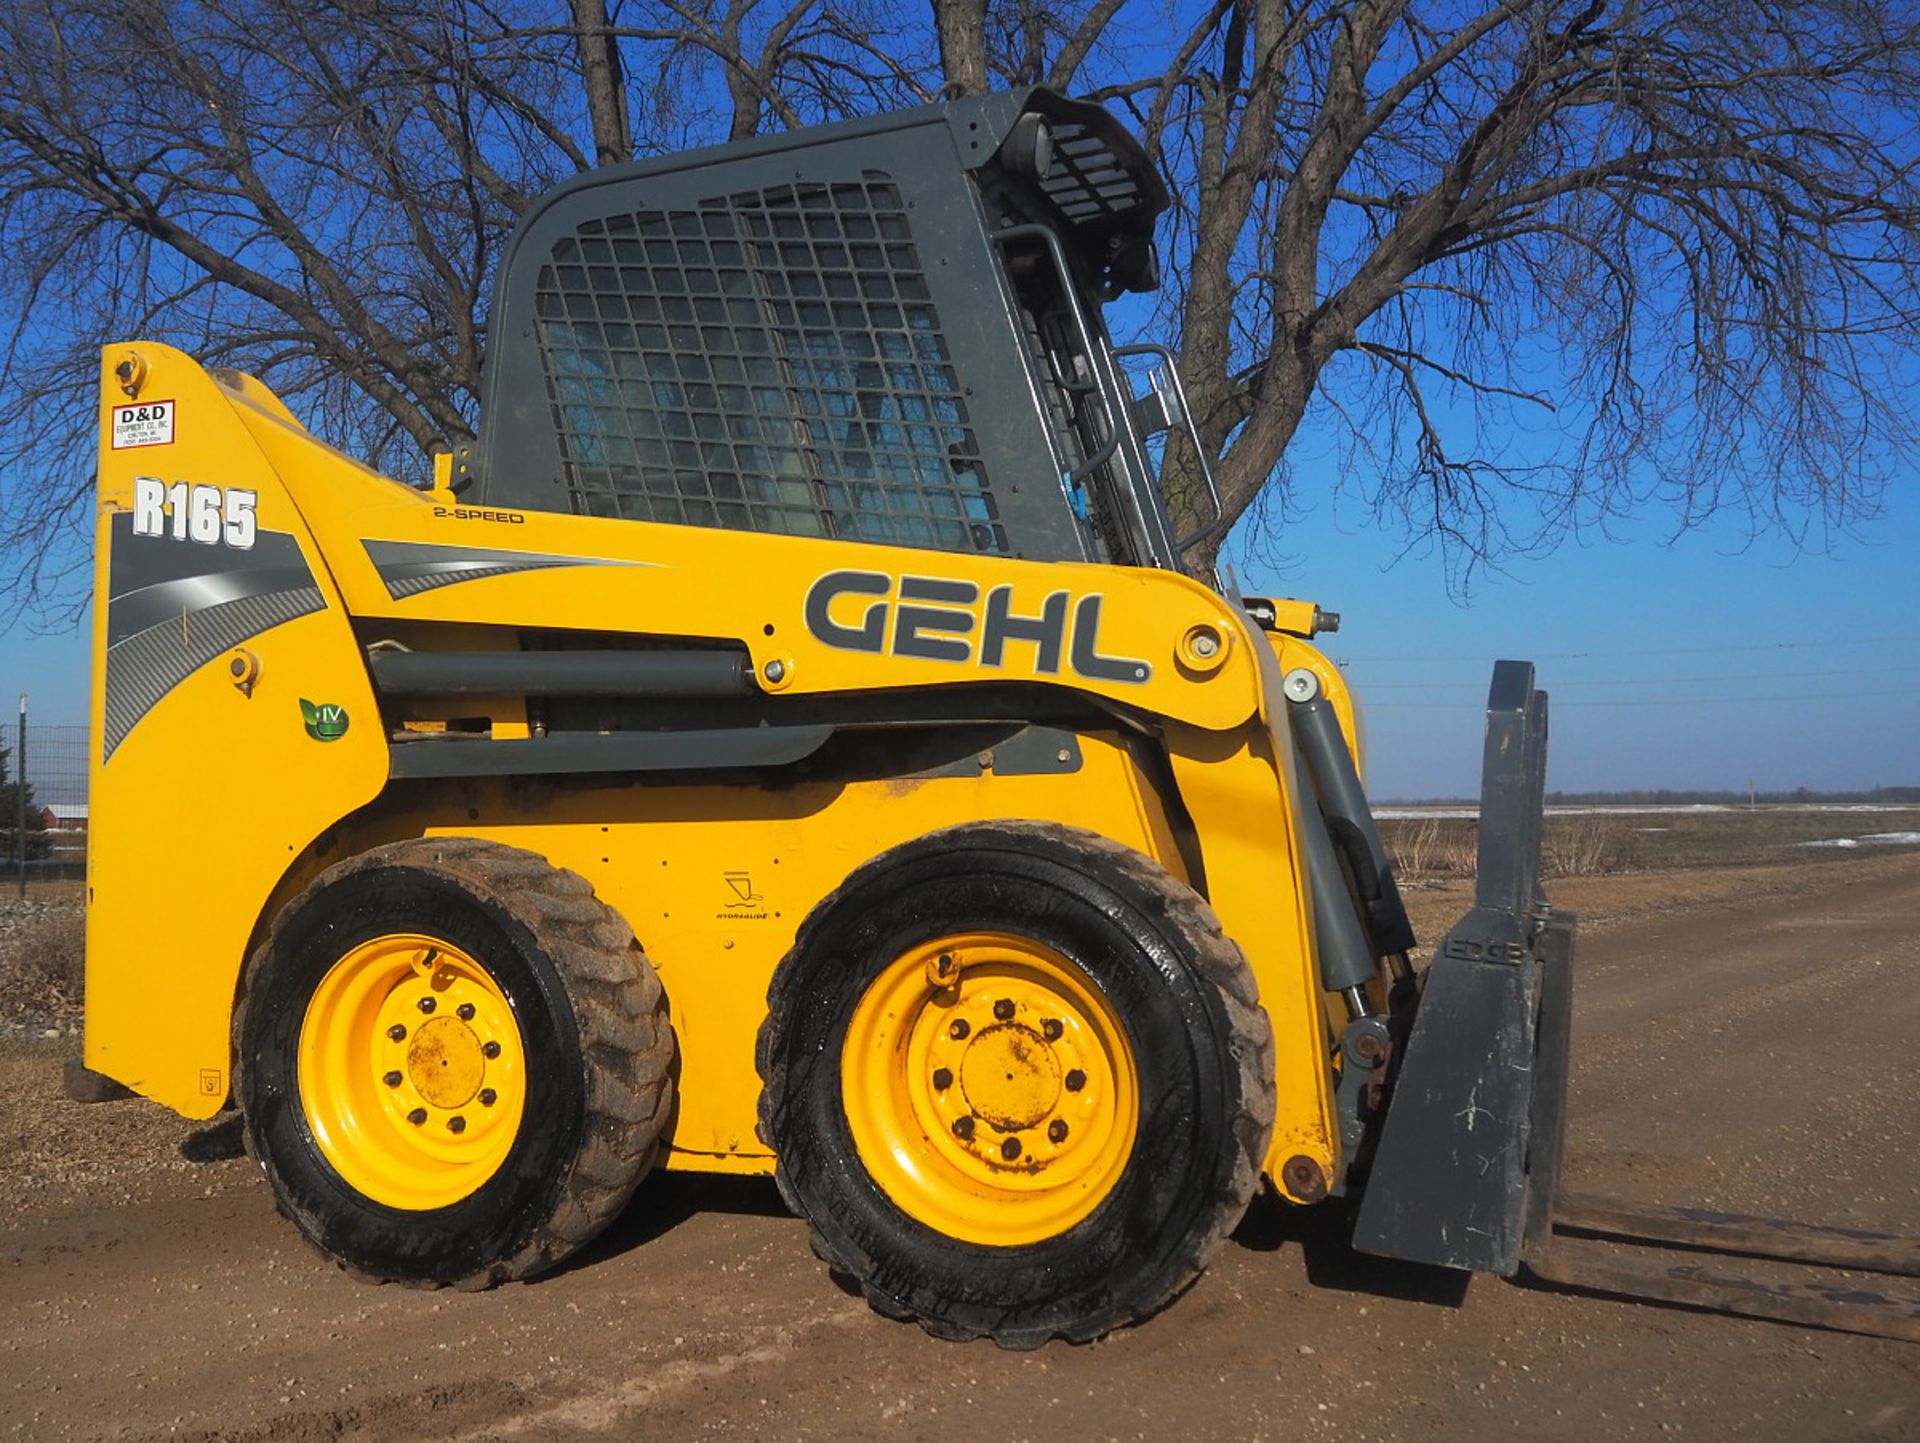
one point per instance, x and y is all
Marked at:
(619, 1009)
(1250, 1044)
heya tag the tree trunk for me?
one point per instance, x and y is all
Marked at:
(605, 84)
(963, 45)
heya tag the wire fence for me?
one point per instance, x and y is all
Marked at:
(53, 765)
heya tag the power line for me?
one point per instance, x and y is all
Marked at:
(1639, 702)
(1556, 686)
(1369, 659)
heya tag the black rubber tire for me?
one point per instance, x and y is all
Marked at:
(593, 1026)
(1202, 1046)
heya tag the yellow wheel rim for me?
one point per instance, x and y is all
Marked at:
(990, 1088)
(412, 1076)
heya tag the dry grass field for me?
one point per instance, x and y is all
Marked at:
(1591, 842)
(42, 936)
(42, 957)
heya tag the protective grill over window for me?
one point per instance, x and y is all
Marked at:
(768, 361)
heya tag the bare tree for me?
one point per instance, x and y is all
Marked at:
(1509, 265)
(1679, 235)
(603, 81)
(316, 194)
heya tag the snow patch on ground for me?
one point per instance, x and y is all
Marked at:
(1404, 813)
(1872, 839)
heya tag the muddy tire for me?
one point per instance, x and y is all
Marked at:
(1093, 1002)
(453, 1061)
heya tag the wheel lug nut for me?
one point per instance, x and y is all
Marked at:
(491, 1049)
(959, 1029)
(1003, 1009)
(1010, 1149)
(1076, 1080)
(426, 1004)
(942, 1079)
(392, 1079)
(1056, 1131)
(1052, 1028)
(466, 1012)
(488, 1097)
(397, 1032)
(456, 1125)
(417, 1116)
(963, 1127)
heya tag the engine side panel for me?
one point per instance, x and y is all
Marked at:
(206, 781)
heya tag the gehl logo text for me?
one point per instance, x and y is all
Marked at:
(936, 619)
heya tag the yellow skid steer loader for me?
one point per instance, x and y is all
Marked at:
(787, 743)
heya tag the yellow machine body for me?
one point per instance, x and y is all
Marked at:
(226, 774)
(1016, 910)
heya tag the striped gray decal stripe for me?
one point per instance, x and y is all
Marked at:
(156, 578)
(174, 605)
(153, 606)
(411, 567)
(146, 666)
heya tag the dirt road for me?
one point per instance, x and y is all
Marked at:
(1754, 1050)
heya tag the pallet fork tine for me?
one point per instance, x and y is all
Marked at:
(1839, 1306)
(1467, 1168)
(1856, 1249)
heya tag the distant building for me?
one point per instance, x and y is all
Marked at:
(70, 816)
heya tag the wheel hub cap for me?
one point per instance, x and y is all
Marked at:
(1011, 1077)
(444, 1062)
(990, 1088)
(412, 1076)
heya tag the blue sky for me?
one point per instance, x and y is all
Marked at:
(1690, 663)
(1695, 662)
(52, 670)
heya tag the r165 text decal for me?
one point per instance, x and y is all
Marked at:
(210, 515)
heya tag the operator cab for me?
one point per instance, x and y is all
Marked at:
(886, 330)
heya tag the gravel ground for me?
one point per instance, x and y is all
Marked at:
(1742, 1040)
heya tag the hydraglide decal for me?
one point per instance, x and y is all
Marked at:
(937, 619)
(411, 567)
(174, 604)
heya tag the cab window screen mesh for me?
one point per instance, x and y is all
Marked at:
(767, 361)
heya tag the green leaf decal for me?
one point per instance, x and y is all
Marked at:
(325, 721)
